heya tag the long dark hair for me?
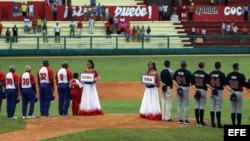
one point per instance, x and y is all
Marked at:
(92, 63)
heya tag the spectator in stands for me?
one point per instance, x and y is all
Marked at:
(165, 10)
(191, 11)
(54, 11)
(44, 32)
(228, 30)
(118, 31)
(39, 25)
(31, 10)
(160, 8)
(94, 12)
(51, 2)
(93, 2)
(148, 31)
(108, 29)
(127, 34)
(235, 32)
(26, 24)
(34, 25)
(45, 24)
(85, 12)
(57, 30)
(99, 11)
(15, 11)
(115, 22)
(90, 11)
(7, 34)
(223, 28)
(142, 33)
(79, 28)
(203, 32)
(1, 28)
(91, 25)
(15, 33)
(69, 2)
(103, 12)
(133, 34)
(197, 31)
(244, 33)
(220, 2)
(212, 2)
(226, 2)
(232, 24)
(193, 29)
(245, 9)
(138, 33)
(72, 29)
(106, 13)
(24, 9)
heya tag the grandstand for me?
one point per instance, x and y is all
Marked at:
(215, 39)
(159, 39)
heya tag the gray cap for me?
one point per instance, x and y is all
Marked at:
(12, 68)
(27, 68)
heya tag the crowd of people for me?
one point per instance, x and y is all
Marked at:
(201, 82)
(83, 92)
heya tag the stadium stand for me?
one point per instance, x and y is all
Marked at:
(159, 28)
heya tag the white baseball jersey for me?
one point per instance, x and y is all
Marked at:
(10, 81)
(62, 76)
(44, 75)
(26, 80)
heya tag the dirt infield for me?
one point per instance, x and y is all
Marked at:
(55, 126)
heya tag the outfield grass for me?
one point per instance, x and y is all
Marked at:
(130, 69)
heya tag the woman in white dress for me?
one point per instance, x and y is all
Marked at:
(150, 106)
(90, 104)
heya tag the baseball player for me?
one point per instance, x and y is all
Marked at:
(166, 80)
(76, 93)
(217, 81)
(28, 89)
(235, 81)
(182, 78)
(2, 85)
(199, 82)
(12, 90)
(63, 77)
(45, 78)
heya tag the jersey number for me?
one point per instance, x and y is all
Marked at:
(181, 80)
(215, 82)
(25, 81)
(42, 76)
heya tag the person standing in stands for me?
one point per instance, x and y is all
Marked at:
(7, 34)
(72, 29)
(31, 10)
(1, 28)
(226, 2)
(15, 11)
(133, 34)
(15, 33)
(24, 9)
(54, 11)
(91, 25)
(148, 31)
(191, 11)
(79, 28)
(246, 11)
(57, 30)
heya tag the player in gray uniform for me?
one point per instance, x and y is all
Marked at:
(182, 78)
(199, 82)
(235, 82)
(217, 80)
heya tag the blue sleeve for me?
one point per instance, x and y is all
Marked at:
(34, 87)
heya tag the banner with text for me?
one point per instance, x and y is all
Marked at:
(218, 13)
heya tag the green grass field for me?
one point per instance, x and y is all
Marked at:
(122, 68)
